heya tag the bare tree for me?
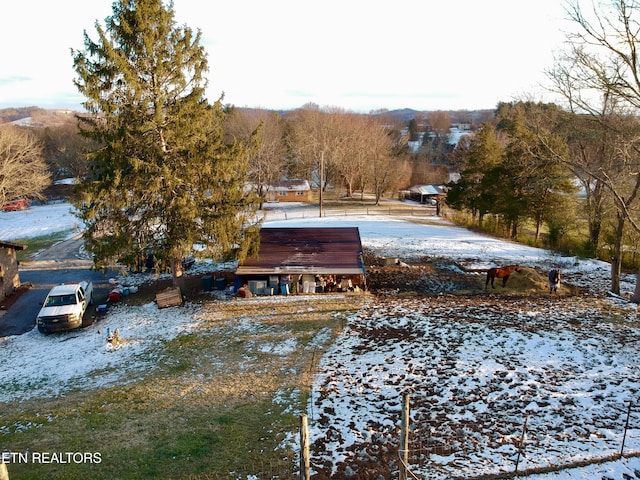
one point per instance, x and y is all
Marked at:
(267, 164)
(360, 151)
(388, 169)
(318, 139)
(440, 123)
(352, 164)
(600, 75)
(23, 171)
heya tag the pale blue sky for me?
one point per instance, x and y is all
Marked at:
(355, 54)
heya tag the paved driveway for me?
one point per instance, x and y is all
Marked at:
(65, 262)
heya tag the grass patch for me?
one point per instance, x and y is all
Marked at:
(37, 244)
(223, 401)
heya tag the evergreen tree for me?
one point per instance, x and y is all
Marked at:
(164, 178)
(476, 190)
(541, 186)
(512, 171)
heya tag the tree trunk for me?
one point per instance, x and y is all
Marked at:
(594, 233)
(177, 273)
(616, 261)
(513, 230)
(636, 292)
(539, 221)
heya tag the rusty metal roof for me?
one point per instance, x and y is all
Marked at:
(15, 246)
(331, 250)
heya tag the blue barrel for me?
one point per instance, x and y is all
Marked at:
(207, 283)
(221, 283)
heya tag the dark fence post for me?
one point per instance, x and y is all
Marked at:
(626, 427)
(521, 448)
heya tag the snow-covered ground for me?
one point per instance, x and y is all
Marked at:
(38, 221)
(474, 371)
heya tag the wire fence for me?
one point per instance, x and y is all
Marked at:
(520, 447)
(314, 212)
(531, 445)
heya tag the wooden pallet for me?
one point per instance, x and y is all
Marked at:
(169, 298)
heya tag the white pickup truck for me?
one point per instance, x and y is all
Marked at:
(64, 307)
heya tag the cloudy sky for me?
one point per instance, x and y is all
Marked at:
(360, 55)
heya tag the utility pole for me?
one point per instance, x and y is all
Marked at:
(321, 179)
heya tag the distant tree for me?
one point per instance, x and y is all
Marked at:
(352, 162)
(317, 140)
(388, 168)
(414, 131)
(435, 149)
(592, 148)
(475, 191)
(164, 179)
(458, 156)
(65, 151)
(23, 171)
(541, 185)
(267, 163)
(440, 123)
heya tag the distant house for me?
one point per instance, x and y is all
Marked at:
(305, 260)
(9, 276)
(426, 193)
(289, 191)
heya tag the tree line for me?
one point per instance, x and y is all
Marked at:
(542, 163)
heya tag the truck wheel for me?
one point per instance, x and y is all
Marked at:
(87, 320)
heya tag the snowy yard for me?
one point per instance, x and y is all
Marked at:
(474, 372)
(475, 366)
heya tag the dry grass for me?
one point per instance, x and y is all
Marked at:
(223, 402)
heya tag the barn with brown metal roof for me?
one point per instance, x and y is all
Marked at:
(305, 260)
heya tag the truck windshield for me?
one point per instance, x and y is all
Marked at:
(58, 300)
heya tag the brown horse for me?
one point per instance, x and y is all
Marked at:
(500, 272)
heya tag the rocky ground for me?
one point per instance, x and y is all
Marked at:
(478, 363)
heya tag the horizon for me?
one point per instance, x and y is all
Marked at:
(373, 112)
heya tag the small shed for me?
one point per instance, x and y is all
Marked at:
(9, 276)
(289, 191)
(305, 260)
(427, 193)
